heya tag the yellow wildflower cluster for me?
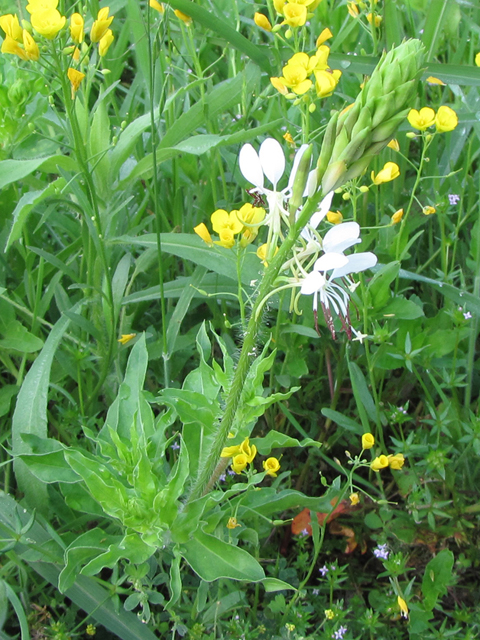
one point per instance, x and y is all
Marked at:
(296, 75)
(244, 453)
(47, 22)
(295, 13)
(395, 462)
(247, 219)
(445, 119)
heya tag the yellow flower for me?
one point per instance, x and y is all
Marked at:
(101, 25)
(288, 137)
(397, 216)
(354, 499)
(295, 75)
(251, 217)
(326, 81)
(477, 59)
(227, 225)
(295, 14)
(262, 21)
(157, 6)
(232, 523)
(403, 607)
(352, 9)
(271, 466)
(446, 119)
(202, 231)
(396, 461)
(262, 253)
(9, 45)
(335, 217)
(11, 26)
(279, 5)
(324, 36)
(289, 627)
(183, 17)
(421, 119)
(105, 42)
(377, 20)
(367, 441)
(75, 78)
(126, 337)
(239, 463)
(279, 84)
(433, 80)
(428, 210)
(76, 28)
(41, 5)
(91, 630)
(390, 171)
(379, 463)
(245, 449)
(76, 54)
(393, 144)
(48, 22)
(31, 47)
(319, 62)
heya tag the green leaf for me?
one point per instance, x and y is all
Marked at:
(18, 338)
(343, 421)
(212, 559)
(403, 309)
(24, 206)
(47, 461)
(182, 307)
(30, 414)
(276, 440)
(15, 170)
(363, 398)
(274, 584)
(437, 12)
(131, 547)
(379, 285)
(7, 392)
(437, 577)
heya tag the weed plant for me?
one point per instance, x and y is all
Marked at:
(239, 313)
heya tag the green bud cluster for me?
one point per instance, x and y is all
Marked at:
(355, 136)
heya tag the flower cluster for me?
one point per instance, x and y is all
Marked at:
(294, 13)
(244, 453)
(355, 6)
(296, 75)
(47, 22)
(247, 220)
(445, 119)
(395, 462)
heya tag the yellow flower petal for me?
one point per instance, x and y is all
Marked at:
(368, 441)
(202, 231)
(126, 337)
(324, 36)
(446, 119)
(421, 119)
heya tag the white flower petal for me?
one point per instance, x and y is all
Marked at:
(296, 162)
(356, 263)
(250, 165)
(330, 261)
(311, 185)
(312, 283)
(272, 159)
(319, 215)
(341, 237)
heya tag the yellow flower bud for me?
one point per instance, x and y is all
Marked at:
(396, 461)
(403, 607)
(271, 466)
(364, 189)
(183, 17)
(368, 441)
(390, 171)
(477, 59)
(288, 137)
(393, 144)
(76, 28)
(31, 48)
(422, 119)
(428, 210)
(157, 6)
(101, 25)
(379, 463)
(354, 499)
(352, 9)
(376, 20)
(433, 80)
(262, 21)
(446, 119)
(202, 231)
(105, 42)
(397, 216)
(126, 337)
(75, 78)
(335, 217)
(324, 36)
(346, 196)
(232, 523)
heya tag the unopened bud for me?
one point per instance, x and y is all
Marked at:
(411, 135)
(364, 189)
(312, 107)
(114, 140)
(346, 196)
(123, 124)
(288, 34)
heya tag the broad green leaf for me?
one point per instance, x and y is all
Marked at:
(437, 577)
(18, 608)
(30, 414)
(363, 397)
(7, 392)
(191, 247)
(181, 308)
(131, 547)
(127, 141)
(437, 12)
(18, 338)
(403, 309)
(225, 603)
(274, 584)
(15, 170)
(379, 285)
(212, 284)
(212, 559)
(24, 206)
(47, 461)
(276, 440)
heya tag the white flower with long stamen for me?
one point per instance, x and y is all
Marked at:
(270, 163)
(322, 286)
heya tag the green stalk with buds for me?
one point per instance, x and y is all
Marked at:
(351, 140)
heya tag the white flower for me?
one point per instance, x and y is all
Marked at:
(308, 232)
(270, 163)
(317, 282)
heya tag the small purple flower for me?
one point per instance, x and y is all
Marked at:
(453, 199)
(333, 567)
(467, 315)
(324, 570)
(175, 446)
(231, 472)
(339, 633)
(222, 478)
(304, 532)
(315, 592)
(381, 552)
